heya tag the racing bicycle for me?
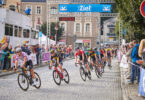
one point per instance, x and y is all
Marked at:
(25, 79)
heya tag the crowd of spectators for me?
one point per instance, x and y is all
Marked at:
(135, 53)
(7, 50)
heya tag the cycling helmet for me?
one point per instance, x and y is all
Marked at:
(77, 48)
(52, 51)
(18, 50)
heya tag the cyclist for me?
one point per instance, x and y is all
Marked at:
(108, 55)
(26, 61)
(99, 59)
(82, 57)
(56, 59)
(92, 58)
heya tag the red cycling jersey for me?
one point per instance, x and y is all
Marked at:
(81, 52)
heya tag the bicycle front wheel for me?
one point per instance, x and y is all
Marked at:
(66, 76)
(56, 77)
(23, 82)
(97, 71)
(38, 81)
(83, 74)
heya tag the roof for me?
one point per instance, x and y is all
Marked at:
(33, 0)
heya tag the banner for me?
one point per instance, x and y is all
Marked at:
(84, 7)
(141, 90)
(46, 57)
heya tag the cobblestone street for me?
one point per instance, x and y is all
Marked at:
(106, 88)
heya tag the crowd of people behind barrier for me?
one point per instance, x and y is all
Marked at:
(7, 50)
(133, 58)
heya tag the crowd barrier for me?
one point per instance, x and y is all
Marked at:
(45, 58)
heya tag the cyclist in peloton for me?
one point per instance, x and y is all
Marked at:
(55, 57)
(92, 58)
(23, 57)
(108, 54)
(82, 57)
(99, 60)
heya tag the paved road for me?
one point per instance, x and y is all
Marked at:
(106, 88)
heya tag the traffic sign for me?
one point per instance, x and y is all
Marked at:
(142, 8)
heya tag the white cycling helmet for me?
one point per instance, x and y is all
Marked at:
(18, 50)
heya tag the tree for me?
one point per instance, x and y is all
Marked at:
(131, 18)
(53, 31)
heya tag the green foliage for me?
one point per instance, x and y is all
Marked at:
(131, 18)
(53, 31)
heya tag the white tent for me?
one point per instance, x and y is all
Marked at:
(42, 40)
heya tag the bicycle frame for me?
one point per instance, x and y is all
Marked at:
(59, 73)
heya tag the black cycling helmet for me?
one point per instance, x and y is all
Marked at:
(77, 48)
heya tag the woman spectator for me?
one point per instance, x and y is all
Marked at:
(3, 54)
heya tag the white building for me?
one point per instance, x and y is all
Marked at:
(17, 27)
(109, 37)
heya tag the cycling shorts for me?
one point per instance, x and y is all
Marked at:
(30, 64)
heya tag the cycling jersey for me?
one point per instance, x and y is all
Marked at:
(80, 54)
(22, 57)
(92, 55)
(28, 60)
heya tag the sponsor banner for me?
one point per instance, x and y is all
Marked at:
(84, 7)
(46, 57)
(86, 41)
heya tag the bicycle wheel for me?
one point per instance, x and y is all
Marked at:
(38, 81)
(23, 82)
(66, 76)
(56, 78)
(97, 72)
(83, 74)
(89, 75)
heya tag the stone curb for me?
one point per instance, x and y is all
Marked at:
(12, 72)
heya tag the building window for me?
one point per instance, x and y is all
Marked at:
(77, 27)
(53, 10)
(111, 30)
(26, 33)
(87, 27)
(9, 30)
(37, 27)
(20, 32)
(63, 27)
(38, 10)
(16, 31)
(12, 7)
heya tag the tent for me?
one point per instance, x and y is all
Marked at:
(42, 40)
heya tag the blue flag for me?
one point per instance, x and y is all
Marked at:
(40, 34)
(28, 11)
(0, 2)
(141, 89)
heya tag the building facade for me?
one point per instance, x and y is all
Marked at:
(13, 5)
(79, 29)
(38, 11)
(109, 37)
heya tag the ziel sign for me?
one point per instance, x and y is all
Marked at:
(84, 8)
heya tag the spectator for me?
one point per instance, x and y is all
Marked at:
(26, 49)
(38, 50)
(128, 54)
(134, 57)
(3, 54)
